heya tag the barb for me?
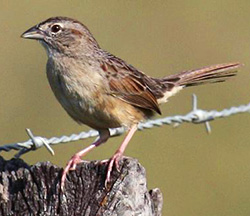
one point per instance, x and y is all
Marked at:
(195, 116)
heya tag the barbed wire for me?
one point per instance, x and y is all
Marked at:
(195, 116)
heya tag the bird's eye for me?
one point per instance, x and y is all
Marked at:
(56, 28)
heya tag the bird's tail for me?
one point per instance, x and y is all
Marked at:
(211, 74)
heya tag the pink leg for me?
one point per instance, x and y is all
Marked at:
(71, 165)
(118, 154)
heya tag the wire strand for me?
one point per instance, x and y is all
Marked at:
(195, 116)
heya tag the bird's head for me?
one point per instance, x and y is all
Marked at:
(63, 35)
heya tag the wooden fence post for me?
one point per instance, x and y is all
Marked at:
(35, 190)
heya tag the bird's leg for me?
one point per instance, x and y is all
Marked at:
(114, 160)
(71, 165)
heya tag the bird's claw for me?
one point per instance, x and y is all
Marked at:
(114, 161)
(71, 165)
(103, 161)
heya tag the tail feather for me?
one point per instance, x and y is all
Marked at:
(211, 74)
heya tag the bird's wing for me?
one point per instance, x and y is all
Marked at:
(130, 85)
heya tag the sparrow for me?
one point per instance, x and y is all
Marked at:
(101, 90)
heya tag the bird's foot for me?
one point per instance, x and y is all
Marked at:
(113, 161)
(71, 165)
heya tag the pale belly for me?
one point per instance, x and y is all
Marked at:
(100, 112)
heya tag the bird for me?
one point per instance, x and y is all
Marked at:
(102, 91)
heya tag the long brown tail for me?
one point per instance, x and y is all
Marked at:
(211, 74)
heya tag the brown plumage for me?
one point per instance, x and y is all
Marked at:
(102, 91)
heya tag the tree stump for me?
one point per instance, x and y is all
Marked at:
(35, 190)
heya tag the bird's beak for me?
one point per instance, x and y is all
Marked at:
(33, 33)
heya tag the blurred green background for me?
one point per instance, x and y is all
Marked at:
(199, 174)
